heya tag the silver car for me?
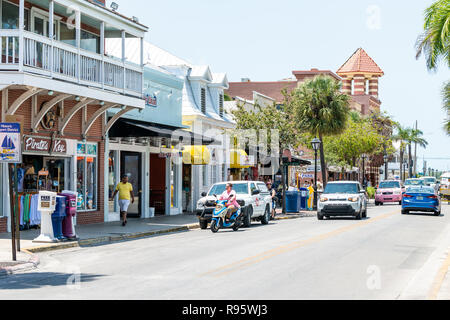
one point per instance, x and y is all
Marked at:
(343, 198)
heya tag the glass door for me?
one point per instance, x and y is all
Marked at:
(131, 165)
(40, 24)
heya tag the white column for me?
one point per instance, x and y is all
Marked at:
(106, 179)
(21, 32)
(78, 42)
(51, 20)
(123, 60)
(146, 185)
(102, 52)
(142, 64)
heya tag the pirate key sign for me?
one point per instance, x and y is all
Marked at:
(45, 145)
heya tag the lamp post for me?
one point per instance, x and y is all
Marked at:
(315, 145)
(364, 157)
(386, 166)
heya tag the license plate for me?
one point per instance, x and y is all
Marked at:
(419, 198)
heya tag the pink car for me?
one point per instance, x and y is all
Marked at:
(389, 191)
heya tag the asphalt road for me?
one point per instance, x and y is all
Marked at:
(386, 256)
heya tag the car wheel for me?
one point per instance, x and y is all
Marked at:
(377, 203)
(359, 215)
(364, 215)
(319, 216)
(203, 224)
(248, 217)
(405, 212)
(400, 203)
(266, 217)
(437, 214)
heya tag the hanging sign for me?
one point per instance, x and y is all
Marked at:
(43, 145)
(151, 101)
(10, 146)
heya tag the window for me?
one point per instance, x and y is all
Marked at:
(87, 177)
(205, 176)
(252, 188)
(67, 35)
(221, 105)
(203, 100)
(112, 178)
(263, 188)
(90, 42)
(214, 174)
(10, 16)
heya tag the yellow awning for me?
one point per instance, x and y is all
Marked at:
(197, 155)
(239, 159)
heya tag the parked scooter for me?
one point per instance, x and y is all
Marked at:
(219, 220)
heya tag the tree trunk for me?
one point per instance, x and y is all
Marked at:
(410, 160)
(401, 166)
(323, 165)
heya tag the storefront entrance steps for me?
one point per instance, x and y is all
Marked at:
(103, 233)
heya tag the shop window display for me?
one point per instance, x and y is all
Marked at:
(87, 177)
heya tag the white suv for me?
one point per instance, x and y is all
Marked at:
(253, 197)
(343, 198)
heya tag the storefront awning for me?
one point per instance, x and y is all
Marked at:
(126, 128)
(239, 159)
(196, 155)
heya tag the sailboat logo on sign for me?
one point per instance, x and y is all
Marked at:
(8, 149)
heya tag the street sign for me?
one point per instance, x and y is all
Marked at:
(307, 176)
(10, 143)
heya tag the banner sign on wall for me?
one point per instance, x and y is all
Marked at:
(10, 146)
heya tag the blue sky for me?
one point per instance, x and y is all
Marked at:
(265, 40)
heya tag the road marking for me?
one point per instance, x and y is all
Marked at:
(224, 270)
(439, 279)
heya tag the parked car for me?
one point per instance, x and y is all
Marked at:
(421, 198)
(389, 191)
(431, 182)
(445, 186)
(343, 198)
(252, 196)
(413, 182)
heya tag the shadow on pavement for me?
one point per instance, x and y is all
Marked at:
(37, 280)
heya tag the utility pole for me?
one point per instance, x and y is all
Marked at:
(415, 153)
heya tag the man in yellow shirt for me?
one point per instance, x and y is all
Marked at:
(125, 190)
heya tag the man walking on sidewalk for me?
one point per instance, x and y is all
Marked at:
(125, 190)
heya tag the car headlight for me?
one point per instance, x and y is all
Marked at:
(323, 199)
(379, 192)
(200, 204)
(397, 192)
(353, 199)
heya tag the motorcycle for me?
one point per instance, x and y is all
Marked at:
(219, 217)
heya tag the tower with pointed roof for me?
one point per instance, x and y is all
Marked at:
(360, 75)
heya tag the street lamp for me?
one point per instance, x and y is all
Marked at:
(386, 167)
(315, 145)
(364, 157)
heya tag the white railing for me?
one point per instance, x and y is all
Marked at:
(60, 60)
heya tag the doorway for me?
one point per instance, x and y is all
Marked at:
(158, 184)
(131, 165)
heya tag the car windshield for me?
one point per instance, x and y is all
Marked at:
(415, 182)
(430, 180)
(341, 188)
(389, 184)
(218, 189)
(421, 190)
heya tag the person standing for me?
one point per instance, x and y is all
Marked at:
(125, 190)
(273, 195)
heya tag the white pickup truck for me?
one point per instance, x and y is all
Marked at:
(252, 196)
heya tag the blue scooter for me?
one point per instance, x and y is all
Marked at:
(219, 217)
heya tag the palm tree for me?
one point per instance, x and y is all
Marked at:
(434, 42)
(415, 137)
(446, 94)
(402, 136)
(319, 108)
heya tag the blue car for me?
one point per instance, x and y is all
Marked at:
(422, 199)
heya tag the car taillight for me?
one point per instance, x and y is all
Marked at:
(432, 197)
(407, 196)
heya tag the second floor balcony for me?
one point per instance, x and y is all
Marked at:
(75, 49)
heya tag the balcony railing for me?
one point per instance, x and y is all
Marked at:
(62, 61)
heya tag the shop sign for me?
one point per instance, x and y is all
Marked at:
(247, 160)
(81, 148)
(45, 145)
(43, 173)
(307, 176)
(91, 149)
(10, 147)
(165, 155)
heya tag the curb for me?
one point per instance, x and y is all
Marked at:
(30, 265)
(110, 239)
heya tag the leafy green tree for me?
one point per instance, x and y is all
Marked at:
(416, 136)
(434, 42)
(319, 108)
(446, 95)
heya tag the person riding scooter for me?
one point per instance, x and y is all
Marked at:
(230, 195)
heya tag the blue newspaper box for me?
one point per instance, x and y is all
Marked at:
(292, 201)
(58, 216)
(304, 196)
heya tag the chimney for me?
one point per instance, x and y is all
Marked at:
(245, 79)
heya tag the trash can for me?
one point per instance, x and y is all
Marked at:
(58, 217)
(292, 201)
(304, 195)
(68, 228)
